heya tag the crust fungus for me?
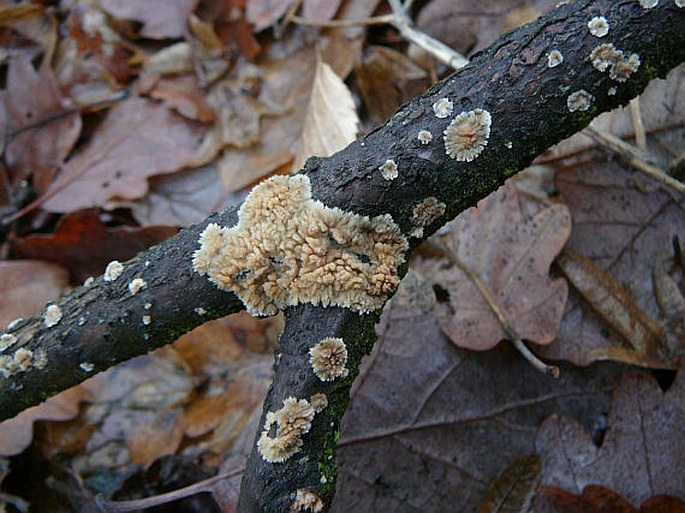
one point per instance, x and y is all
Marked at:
(443, 108)
(328, 359)
(425, 213)
(53, 314)
(680, 3)
(113, 270)
(599, 26)
(87, 366)
(603, 56)
(620, 66)
(22, 360)
(648, 4)
(7, 340)
(136, 285)
(554, 58)
(288, 249)
(580, 100)
(89, 281)
(292, 421)
(424, 136)
(624, 67)
(147, 320)
(612, 91)
(318, 402)
(306, 501)
(389, 170)
(467, 135)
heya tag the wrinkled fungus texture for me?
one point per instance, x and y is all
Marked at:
(328, 359)
(599, 27)
(580, 100)
(292, 421)
(425, 213)
(306, 501)
(288, 249)
(467, 135)
(424, 136)
(554, 58)
(113, 270)
(608, 57)
(389, 170)
(443, 108)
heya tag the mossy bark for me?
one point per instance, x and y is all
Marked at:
(527, 101)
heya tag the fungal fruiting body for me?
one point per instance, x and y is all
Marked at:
(425, 213)
(648, 4)
(318, 402)
(292, 421)
(7, 340)
(113, 270)
(580, 100)
(136, 285)
(22, 360)
(389, 169)
(612, 91)
(554, 58)
(467, 135)
(53, 314)
(680, 3)
(89, 281)
(424, 136)
(305, 500)
(620, 66)
(599, 26)
(147, 320)
(288, 249)
(443, 108)
(86, 366)
(328, 359)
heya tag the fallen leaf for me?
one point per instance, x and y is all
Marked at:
(161, 19)
(160, 438)
(16, 434)
(514, 489)
(41, 125)
(637, 456)
(387, 79)
(27, 285)
(184, 95)
(84, 245)
(137, 139)
(320, 10)
(264, 13)
(32, 21)
(430, 426)
(508, 257)
(628, 232)
(331, 119)
(597, 499)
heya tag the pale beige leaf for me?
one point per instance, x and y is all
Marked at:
(331, 120)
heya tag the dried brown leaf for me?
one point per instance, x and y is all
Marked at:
(331, 119)
(506, 256)
(160, 438)
(161, 19)
(514, 489)
(264, 13)
(638, 455)
(27, 285)
(137, 139)
(41, 125)
(184, 95)
(320, 10)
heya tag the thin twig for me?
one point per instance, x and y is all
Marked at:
(633, 157)
(164, 498)
(375, 20)
(640, 136)
(550, 370)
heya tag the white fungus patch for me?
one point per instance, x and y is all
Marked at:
(604, 56)
(443, 108)
(289, 249)
(328, 359)
(621, 70)
(648, 4)
(147, 306)
(40, 359)
(608, 57)
(467, 135)
(554, 58)
(147, 320)
(389, 170)
(579, 101)
(318, 402)
(7, 340)
(291, 422)
(89, 281)
(425, 213)
(424, 136)
(509, 145)
(136, 285)
(599, 26)
(612, 91)
(680, 3)
(199, 310)
(113, 270)
(14, 323)
(304, 501)
(22, 360)
(87, 366)
(53, 314)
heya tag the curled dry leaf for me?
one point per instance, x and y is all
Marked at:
(161, 19)
(514, 488)
(137, 139)
(637, 457)
(507, 257)
(331, 119)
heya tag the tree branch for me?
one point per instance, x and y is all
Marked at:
(529, 106)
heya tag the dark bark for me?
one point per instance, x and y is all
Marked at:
(528, 104)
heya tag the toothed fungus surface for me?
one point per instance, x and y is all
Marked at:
(292, 421)
(443, 108)
(7, 340)
(425, 213)
(467, 135)
(554, 58)
(424, 136)
(113, 270)
(288, 249)
(580, 100)
(53, 314)
(599, 26)
(389, 170)
(306, 501)
(328, 359)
